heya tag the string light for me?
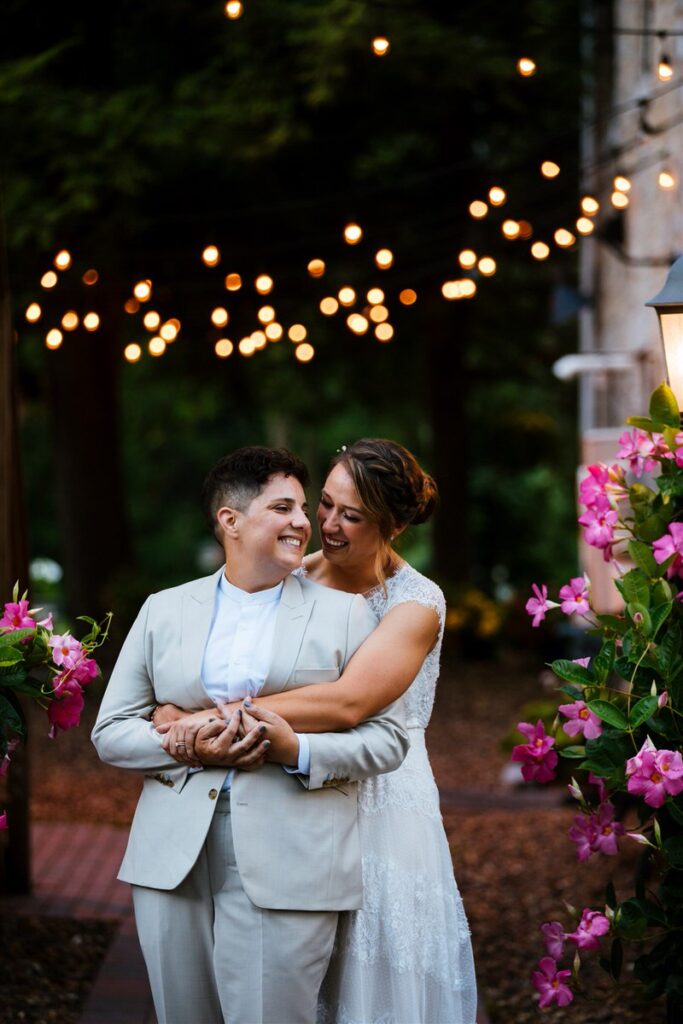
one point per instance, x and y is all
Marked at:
(378, 314)
(131, 306)
(375, 296)
(174, 322)
(510, 229)
(380, 46)
(91, 322)
(246, 347)
(266, 314)
(90, 277)
(329, 306)
(259, 340)
(62, 260)
(384, 332)
(219, 316)
(297, 333)
(33, 313)
(70, 320)
(664, 70)
(304, 353)
(526, 67)
(211, 256)
(525, 229)
(263, 284)
(384, 258)
(132, 352)
(346, 296)
(353, 234)
(467, 259)
(549, 169)
(622, 183)
(564, 238)
(540, 251)
(143, 290)
(666, 180)
(156, 346)
(48, 280)
(224, 348)
(316, 268)
(620, 200)
(478, 209)
(487, 266)
(274, 331)
(54, 338)
(408, 297)
(234, 9)
(151, 320)
(585, 226)
(169, 331)
(497, 195)
(589, 206)
(358, 323)
(233, 282)
(463, 289)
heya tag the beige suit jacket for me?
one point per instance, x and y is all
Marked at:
(296, 838)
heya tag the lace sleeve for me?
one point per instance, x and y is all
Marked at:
(413, 586)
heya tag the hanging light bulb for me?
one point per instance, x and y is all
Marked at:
(408, 297)
(263, 284)
(467, 258)
(346, 296)
(526, 67)
(91, 322)
(90, 277)
(589, 206)
(316, 268)
(266, 314)
(234, 9)
(48, 280)
(151, 320)
(384, 258)
(585, 226)
(62, 260)
(233, 282)
(540, 251)
(358, 323)
(564, 238)
(297, 333)
(384, 332)
(131, 306)
(549, 169)
(33, 313)
(304, 353)
(156, 346)
(622, 183)
(54, 338)
(497, 195)
(143, 290)
(664, 69)
(353, 234)
(378, 314)
(70, 320)
(169, 331)
(375, 296)
(380, 46)
(211, 256)
(219, 316)
(246, 347)
(132, 352)
(478, 209)
(525, 229)
(620, 200)
(487, 266)
(274, 331)
(666, 180)
(259, 340)
(510, 229)
(224, 348)
(329, 306)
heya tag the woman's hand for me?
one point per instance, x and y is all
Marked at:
(180, 735)
(219, 744)
(164, 714)
(284, 743)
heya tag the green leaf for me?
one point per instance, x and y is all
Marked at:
(661, 592)
(640, 617)
(641, 711)
(603, 662)
(11, 716)
(572, 673)
(652, 527)
(9, 656)
(573, 752)
(609, 713)
(572, 691)
(643, 557)
(614, 622)
(630, 920)
(659, 616)
(637, 587)
(673, 850)
(15, 637)
(664, 407)
(642, 422)
(669, 649)
(672, 485)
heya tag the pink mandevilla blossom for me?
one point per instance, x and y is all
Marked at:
(593, 487)
(539, 605)
(655, 774)
(597, 832)
(553, 936)
(551, 984)
(65, 712)
(47, 622)
(16, 616)
(537, 757)
(574, 596)
(86, 670)
(581, 720)
(66, 650)
(670, 544)
(638, 448)
(590, 929)
(3, 820)
(599, 522)
(678, 453)
(583, 662)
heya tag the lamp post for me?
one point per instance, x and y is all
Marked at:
(669, 306)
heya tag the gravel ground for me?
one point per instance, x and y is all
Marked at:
(514, 865)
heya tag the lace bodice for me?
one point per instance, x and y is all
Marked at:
(407, 584)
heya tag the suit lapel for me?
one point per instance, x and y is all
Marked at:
(290, 626)
(197, 613)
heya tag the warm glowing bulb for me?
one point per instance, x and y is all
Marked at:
(664, 69)
(211, 256)
(91, 321)
(549, 169)
(384, 258)
(156, 346)
(266, 314)
(151, 320)
(468, 288)
(540, 251)
(297, 333)
(589, 206)
(263, 284)
(233, 282)
(666, 180)
(510, 228)
(49, 280)
(169, 331)
(62, 260)
(375, 296)
(316, 268)
(384, 332)
(564, 238)
(620, 200)
(380, 46)
(525, 229)
(358, 323)
(487, 266)
(497, 195)
(259, 340)
(132, 352)
(219, 316)
(131, 306)
(622, 183)
(467, 258)
(246, 347)
(70, 320)
(478, 209)
(274, 331)
(54, 338)
(585, 226)
(223, 348)
(91, 277)
(463, 289)
(234, 9)
(304, 353)
(526, 67)
(142, 290)
(353, 234)
(346, 296)
(329, 306)
(407, 297)
(378, 314)
(33, 313)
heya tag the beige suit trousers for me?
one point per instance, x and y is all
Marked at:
(213, 957)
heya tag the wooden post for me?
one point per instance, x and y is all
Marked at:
(15, 864)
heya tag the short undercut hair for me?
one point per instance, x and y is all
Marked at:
(239, 477)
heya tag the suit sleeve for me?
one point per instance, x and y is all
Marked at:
(122, 734)
(375, 746)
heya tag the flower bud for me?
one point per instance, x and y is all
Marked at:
(575, 789)
(663, 699)
(638, 837)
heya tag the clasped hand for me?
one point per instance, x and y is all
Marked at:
(235, 736)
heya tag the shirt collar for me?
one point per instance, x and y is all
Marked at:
(269, 596)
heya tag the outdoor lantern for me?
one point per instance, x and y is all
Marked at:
(669, 306)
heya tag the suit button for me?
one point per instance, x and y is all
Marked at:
(213, 793)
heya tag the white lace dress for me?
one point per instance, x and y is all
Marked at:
(406, 956)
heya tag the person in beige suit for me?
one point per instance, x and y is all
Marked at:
(240, 864)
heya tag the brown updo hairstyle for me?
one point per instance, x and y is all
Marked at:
(393, 489)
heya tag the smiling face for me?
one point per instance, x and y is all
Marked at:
(350, 538)
(267, 540)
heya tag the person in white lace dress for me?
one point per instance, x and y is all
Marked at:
(406, 956)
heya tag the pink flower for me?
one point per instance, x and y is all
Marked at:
(582, 721)
(537, 757)
(66, 650)
(655, 774)
(583, 662)
(663, 699)
(670, 544)
(539, 605)
(551, 985)
(597, 832)
(3, 821)
(574, 596)
(678, 454)
(65, 711)
(638, 448)
(554, 936)
(16, 616)
(47, 622)
(86, 670)
(589, 930)
(593, 487)
(599, 521)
